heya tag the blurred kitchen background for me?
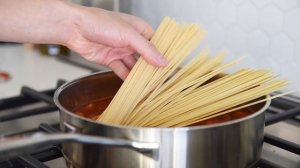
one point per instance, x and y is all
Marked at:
(266, 32)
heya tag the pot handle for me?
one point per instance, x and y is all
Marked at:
(15, 146)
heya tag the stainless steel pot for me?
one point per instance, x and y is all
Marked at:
(234, 144)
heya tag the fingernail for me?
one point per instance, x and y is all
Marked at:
(162, 61)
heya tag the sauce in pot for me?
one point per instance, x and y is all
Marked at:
(94, 109)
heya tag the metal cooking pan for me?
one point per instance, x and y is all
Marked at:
(232, 144)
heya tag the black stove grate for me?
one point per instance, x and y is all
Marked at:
(35, 160)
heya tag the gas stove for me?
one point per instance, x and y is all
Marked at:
(34, 112)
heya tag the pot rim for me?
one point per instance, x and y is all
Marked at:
(62, 109)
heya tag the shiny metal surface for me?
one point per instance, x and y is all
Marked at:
(20, 145)
(234, 144)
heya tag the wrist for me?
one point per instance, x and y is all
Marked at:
(68, 21)
(37, 21)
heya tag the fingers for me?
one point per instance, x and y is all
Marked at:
(119, 69)
(146, 49)
(138, 24)
(140, 42)
(129, 61)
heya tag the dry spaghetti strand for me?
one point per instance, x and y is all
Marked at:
(177, 96)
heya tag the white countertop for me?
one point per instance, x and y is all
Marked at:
(28, 67)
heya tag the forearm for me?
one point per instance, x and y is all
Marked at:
(36, 21)
(105, 37)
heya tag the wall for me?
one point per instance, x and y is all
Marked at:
(267, 32)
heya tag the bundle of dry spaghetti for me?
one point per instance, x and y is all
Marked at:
(168, 97)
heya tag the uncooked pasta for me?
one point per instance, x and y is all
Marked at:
(176, 95)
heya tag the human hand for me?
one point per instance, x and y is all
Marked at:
(105, 37)
(113, 39)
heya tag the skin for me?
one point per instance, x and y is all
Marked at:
(108, 38)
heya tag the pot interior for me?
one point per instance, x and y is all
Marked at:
(89, 96)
